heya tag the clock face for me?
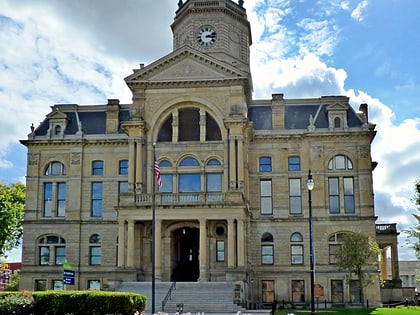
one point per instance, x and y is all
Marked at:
(206, 36)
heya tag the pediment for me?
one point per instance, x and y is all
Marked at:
(56, 114)
(186, 64)
(338, 107)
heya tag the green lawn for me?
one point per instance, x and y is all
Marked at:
(411, 310)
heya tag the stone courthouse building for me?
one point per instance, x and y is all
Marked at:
(233, 205)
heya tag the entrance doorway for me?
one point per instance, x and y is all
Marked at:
(185, 255)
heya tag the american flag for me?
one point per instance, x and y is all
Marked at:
(157, 171)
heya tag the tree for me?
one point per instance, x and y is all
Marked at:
(414, 232)
(359, 256)
(12, 203)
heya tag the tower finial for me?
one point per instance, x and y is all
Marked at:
(180, 4)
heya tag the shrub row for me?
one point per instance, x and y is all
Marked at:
(71, 302)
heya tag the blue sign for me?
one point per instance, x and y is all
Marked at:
(68, 277)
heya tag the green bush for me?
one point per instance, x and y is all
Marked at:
(72, 302)
(17, 303)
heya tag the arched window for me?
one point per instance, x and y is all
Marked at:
(340, 162)
(55, 169)
(267, 249)
(54, 191)
(265, 164)
(57, 130)
(97, 167)
(166, 177)
(341, 186)
(214, 179)
(189, 122)
(337, 122)
(296, 249)
(51, 250)
(95, 250)
(334, 246)
(189, 180)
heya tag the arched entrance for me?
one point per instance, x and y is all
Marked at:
(185, 255)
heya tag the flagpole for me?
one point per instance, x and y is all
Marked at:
(153, 229)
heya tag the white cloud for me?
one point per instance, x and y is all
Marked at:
(359, 12)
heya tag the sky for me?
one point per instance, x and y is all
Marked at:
(79, 51)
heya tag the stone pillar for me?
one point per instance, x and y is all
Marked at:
(202, 125)
(384, 265)
(240, 162)
(231, 244)
(131, 165)
(394, 262)
(203, 251)
(232, 163)
(121, 243)
(241, 244)
(130, 244)
(139, 167)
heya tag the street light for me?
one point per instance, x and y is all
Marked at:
(310, 186)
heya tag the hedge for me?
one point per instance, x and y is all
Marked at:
(71, 302)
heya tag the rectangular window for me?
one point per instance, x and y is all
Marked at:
(220, 250)
(61, 199)
(95, 255)
(123, 167)
(355, 293)
(122, 187)
(166, 183)
(97, 199)
(48, 194)
(297, 254)
(266, 200)
(265, 164)
(337, 291)
(44, 255)
(97, 168)
(294, 164)
(267, 254)
(40, 285)
(298, 291)
(57, 285)
(334, 250)
(189, 183)
(295, 196)
(60, 255)
(334, 195)
(94, 285)
(214, 182)
(268, 291)
(348, 195)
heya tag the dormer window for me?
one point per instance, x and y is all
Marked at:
(57, 130)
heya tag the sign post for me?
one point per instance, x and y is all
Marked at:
(68, 274)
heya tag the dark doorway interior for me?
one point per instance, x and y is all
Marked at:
(186, 255)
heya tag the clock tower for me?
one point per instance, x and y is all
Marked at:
(218, 28)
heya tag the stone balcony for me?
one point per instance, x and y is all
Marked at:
(201, 199)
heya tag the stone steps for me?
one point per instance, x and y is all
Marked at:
(207, 297)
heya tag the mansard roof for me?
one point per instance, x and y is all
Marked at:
(298, 113)
(91, 119)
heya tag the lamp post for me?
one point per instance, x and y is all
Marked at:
(310, 186)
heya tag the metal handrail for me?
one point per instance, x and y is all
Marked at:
(168, 295)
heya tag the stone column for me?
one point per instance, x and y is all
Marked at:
(231, 244)
(241, 244)
(121, 243)
(394, 262)
(130, 244)
(139, 167)
(232, 163)
(131, 165)
(202, 125)
(240, 161)
(384, 265)
(203, 250)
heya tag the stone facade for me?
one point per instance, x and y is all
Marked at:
(234, 203)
